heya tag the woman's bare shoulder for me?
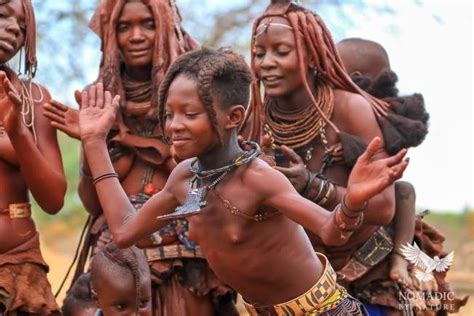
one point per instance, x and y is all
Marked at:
(354, 114)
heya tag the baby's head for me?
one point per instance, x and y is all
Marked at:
(78, 301)
(120, 281)
(362, 56)
(368, 65)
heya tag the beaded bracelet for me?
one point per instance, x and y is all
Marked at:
(105, 176)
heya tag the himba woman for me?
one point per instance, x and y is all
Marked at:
(368, 64)
(140, 39)
(29, 157)
(317, 121)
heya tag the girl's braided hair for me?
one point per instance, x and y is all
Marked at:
(223, 79)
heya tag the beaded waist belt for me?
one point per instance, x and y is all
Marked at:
(18, 210)
(172, 251)
(374, 250)
(323, 296)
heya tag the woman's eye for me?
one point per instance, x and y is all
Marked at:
(149, 25)
(120, 307)
(122, 27)
(143, 304)
(283, 52)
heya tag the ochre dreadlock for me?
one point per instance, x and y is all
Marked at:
(171, 41)
(312, 34)
(221, 76)
(131, 258)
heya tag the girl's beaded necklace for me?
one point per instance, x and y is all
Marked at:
(196, 196)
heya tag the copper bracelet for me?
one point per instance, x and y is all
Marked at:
(307, 187)
(342, 225)
(350, 213)
(105, 176)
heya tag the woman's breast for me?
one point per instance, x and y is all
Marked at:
(7, 152)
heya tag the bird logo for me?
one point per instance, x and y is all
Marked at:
(427, 265)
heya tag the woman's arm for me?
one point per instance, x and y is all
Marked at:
(353, 115)
(40, 162)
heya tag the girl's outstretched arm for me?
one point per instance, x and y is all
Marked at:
(368, 178)
(127, 226)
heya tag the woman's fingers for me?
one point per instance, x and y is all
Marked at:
(78, 97)
(291, 154)
(58, 106)
(54, 117)
(107, 99)
(92, 96)
(116, 101)
(50, 108)
(14, 98)
(99, 96)
(59, 126)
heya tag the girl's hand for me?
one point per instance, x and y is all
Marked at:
(370, 177)
(97, 114)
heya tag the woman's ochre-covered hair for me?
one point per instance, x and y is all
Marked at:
(171, 41)
(311, 34)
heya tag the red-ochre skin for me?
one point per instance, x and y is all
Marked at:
(275, 54)
(369, 59)
(268, 262)
(24, 165)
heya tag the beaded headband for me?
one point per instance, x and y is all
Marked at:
(264, 27)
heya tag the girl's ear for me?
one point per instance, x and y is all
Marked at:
(94, 297)
(235, 116)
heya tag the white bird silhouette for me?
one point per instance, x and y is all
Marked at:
(427, 265)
